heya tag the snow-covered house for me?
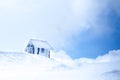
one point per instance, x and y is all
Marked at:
(39, 47)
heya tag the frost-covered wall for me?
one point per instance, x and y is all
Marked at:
(38, 47)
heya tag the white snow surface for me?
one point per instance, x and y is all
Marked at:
(24, 66)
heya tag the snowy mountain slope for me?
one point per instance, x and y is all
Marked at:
(26, 59)
(24, 66)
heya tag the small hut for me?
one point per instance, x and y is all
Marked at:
(38, 47)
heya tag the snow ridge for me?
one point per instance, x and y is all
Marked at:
(25, 66)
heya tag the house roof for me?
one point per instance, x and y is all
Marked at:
(40, 43)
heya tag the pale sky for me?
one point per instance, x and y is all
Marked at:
(69, 25)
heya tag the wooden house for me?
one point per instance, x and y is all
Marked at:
(38, 47)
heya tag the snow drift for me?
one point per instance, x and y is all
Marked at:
(24, 66)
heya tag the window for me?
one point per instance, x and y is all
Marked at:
(42, 50)
(32, 45)
(31, 48)
(28, 45)
(38, 50)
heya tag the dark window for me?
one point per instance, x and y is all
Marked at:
(38, 51)
(49, 54)
(28, 45)
(31, 48)
(42, 50)
(32, 45)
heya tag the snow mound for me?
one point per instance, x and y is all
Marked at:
(24, 66)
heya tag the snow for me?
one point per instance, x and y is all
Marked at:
(24, 66)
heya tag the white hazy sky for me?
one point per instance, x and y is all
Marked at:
(51, 20)
(48, 20)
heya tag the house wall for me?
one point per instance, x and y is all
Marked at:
(46, 52)
(34, 50)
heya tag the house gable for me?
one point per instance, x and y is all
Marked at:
(38, 47)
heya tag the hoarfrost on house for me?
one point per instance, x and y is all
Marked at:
(38, 47)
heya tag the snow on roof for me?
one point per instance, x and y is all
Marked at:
(40, 43)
